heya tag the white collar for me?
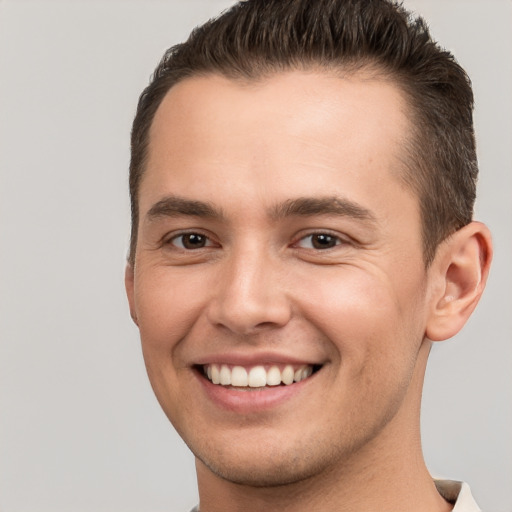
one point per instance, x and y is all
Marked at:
(457, 493)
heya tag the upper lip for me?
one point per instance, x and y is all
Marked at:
(254, 359)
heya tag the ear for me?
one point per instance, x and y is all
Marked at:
(458, 273)
(129, 283)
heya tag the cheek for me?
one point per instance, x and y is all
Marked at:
(367, 316)
(167, 305)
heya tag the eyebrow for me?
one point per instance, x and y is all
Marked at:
(175, 206)
(309, 206)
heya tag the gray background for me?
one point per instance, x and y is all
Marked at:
(79, 427)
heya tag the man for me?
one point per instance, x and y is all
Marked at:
(302, 182)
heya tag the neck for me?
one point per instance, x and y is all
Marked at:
(388, 474)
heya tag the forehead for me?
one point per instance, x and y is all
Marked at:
(295, 129)
(288, 96)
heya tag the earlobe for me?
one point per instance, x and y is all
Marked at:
(129, 283)
(460, 270)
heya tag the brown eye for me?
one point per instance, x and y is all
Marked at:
(319, 241)
(191, 241)
(322, 241)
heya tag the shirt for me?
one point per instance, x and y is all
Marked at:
(457, 493)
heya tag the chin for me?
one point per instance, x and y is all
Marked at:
(266, 464)
(262, 473)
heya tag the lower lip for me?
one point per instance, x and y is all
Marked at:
(253, 399)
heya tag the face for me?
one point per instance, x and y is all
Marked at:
(279, 282)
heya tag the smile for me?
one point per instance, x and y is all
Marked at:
(259, 376)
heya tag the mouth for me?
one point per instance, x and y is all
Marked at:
(256, 377)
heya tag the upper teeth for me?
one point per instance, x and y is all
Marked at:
(257, 376)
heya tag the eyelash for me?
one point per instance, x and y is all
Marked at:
(323, 237)
(173, 239)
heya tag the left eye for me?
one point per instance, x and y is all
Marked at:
(191, 241)
(319, 241)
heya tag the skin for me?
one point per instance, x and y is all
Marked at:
(365, 308)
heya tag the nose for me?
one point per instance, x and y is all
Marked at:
(250, 294)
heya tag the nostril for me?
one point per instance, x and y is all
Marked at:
(265, 325)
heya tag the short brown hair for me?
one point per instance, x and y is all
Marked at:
(256, 38)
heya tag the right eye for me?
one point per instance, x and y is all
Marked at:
(191, 241)
(319, 241)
